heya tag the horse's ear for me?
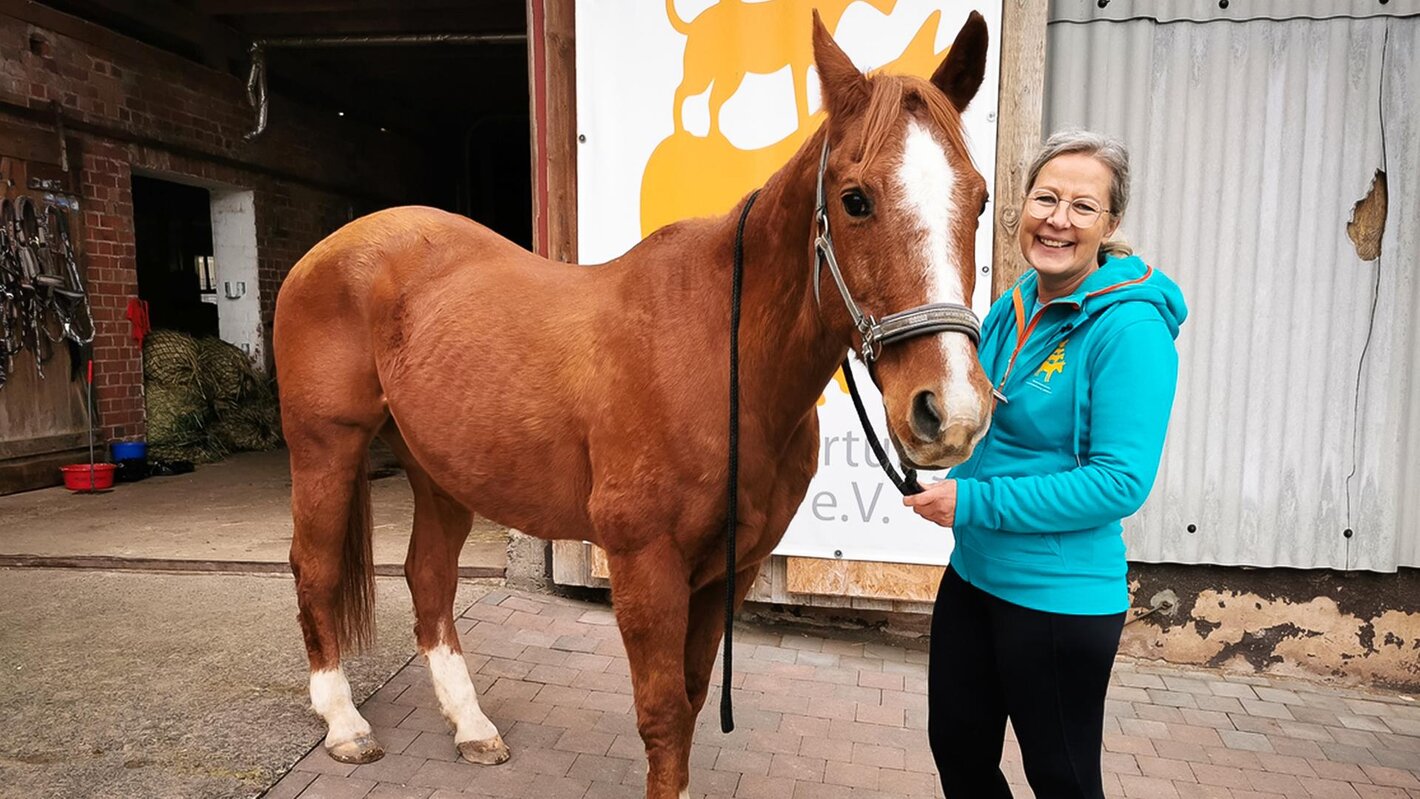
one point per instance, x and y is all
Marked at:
(845, 89)
(961, 72)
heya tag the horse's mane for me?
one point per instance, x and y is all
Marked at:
(886, 104)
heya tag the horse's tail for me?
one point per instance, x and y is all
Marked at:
(355, 596)
(681, 26)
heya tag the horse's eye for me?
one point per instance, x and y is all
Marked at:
(856, 203)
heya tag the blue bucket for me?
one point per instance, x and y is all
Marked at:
(132, 460)
(129, 450)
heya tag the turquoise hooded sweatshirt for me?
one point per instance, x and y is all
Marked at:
(1084, 385)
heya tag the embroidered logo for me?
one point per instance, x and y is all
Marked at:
(1055, 364)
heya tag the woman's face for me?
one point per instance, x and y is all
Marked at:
(1055, 246)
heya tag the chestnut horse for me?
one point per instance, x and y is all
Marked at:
(590, 403)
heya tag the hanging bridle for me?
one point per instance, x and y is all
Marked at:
(936, 317)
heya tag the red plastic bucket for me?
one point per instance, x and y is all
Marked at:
(76, 476)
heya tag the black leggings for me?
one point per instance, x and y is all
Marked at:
(1047, 671)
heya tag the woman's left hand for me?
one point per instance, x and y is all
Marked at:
(937, 502)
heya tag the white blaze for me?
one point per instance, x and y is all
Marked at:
(456, 695)
(928, 187)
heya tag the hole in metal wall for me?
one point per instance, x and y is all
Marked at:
(1367, 224)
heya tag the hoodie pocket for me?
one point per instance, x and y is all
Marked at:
(1019, 547)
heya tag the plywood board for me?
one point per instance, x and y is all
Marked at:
(863, 579)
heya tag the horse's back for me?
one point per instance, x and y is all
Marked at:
(328, 308)
(392, 240)
(476, 348)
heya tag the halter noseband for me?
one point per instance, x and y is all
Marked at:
(936, 317)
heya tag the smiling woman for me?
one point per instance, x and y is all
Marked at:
(1079, 188)
(1081, 357)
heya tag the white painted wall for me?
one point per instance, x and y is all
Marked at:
(234, 249)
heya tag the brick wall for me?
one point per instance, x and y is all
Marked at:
(107, 254)
(127, 107)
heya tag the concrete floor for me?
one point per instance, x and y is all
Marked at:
(235, 510)
(142, 683)
(166, 685)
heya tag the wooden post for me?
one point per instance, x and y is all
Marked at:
(1018, 130)
(552, 92)
(552, 72)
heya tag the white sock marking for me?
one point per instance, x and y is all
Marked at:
(330, 696)
(457, 697)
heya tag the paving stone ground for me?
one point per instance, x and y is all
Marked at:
(823, 716)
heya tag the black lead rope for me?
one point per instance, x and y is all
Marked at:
(907, 482)
(727, 713)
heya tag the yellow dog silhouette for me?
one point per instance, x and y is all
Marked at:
(759, 37)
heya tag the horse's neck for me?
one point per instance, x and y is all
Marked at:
(787, 353)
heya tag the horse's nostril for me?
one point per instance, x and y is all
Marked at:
(926, 416)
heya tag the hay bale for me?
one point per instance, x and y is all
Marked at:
(205, 400)
(171, 358)
(248, 427)
(176, 414)
(226, 372)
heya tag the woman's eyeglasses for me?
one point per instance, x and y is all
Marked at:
(1041, 204)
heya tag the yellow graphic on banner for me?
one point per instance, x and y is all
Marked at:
(1055, 364)
(691, 176)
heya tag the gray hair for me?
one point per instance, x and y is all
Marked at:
(1108, 151)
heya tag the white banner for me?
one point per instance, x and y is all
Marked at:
(742, 75)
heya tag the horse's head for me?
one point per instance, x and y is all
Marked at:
(902, 199)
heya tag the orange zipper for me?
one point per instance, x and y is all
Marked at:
(1024, 330)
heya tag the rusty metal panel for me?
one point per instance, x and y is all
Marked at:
(1298, 412)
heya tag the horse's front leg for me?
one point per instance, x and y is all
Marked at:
(705, 631)
(651, 596)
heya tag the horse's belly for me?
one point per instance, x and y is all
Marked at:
(501, 458)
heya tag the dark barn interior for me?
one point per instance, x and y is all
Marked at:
(449, 76)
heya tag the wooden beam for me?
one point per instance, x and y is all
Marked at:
(165, 24)
(552, 70)
(28, 143)
(120, 563)
(241, 8)
(1019, 126)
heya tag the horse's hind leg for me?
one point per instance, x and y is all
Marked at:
(441, 526)
(331, 560)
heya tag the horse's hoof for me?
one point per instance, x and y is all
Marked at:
(488, 752)
(364, 749)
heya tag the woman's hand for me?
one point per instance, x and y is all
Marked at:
(937, 502)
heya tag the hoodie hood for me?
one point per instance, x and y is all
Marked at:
(1121, 280)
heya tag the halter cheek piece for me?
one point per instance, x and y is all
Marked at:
(937, 317)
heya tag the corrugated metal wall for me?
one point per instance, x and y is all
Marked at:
(1298, 412)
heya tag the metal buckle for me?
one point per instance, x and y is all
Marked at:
(872, 344)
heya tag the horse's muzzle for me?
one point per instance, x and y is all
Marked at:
(938, 441)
